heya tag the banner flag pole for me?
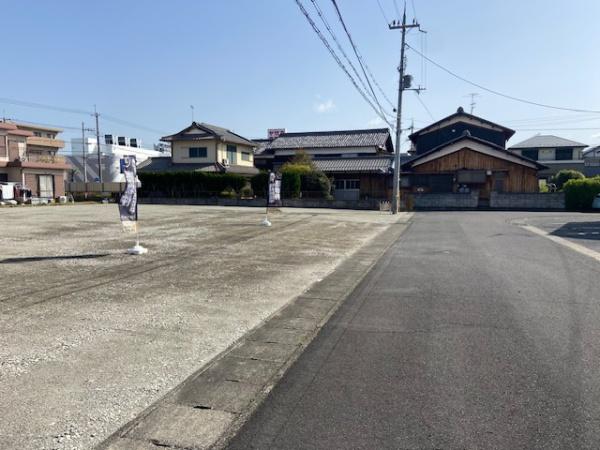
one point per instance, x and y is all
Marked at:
(266, 221)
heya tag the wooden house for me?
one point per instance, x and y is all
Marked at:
(463, 153)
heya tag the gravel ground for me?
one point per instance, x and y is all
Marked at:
(92, 336)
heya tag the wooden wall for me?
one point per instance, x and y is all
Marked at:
(518, 178)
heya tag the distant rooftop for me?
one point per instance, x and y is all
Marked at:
(381, 164)
(546, 141)
(378, 137)
(207, 131)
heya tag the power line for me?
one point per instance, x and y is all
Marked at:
(131, 124)
(114, 119)
(510, 97)
(339, 46)
(412, 2)
(557, 129)
(10, 101)
(397, 9)
(359, 57)
(552, 119)
(424, 105)
(29, 122)
(383, 12)
(339, 62)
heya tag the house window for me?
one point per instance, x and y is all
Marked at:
(347, 185)
(563, 154)
(245, 156)
(49, 135)
(232, 154)
(37, 134)
(197, 152)
(46, 186)
(531, 153)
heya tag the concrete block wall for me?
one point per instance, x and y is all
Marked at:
(528, 201)
(370, 204)
(443, 201)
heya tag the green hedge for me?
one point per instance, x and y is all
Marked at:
(260, 183)
(562, 176)
(290, 184)
(189, 184)
(316, 185)
(579, 194)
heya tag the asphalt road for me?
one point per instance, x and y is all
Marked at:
(471, 332)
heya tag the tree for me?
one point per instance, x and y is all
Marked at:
(301, 160)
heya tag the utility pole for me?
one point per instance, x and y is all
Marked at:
(84, 149)
(404, 83)
(98, 145)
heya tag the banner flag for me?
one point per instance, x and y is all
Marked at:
(274, 190)
(128, 202)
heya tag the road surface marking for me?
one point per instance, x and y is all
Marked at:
(564, 242)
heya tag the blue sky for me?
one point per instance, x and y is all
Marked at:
(250, 65)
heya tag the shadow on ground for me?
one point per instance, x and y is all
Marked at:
(26, 259)
(579, 230)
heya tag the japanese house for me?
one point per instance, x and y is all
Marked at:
(556, 153)
(463, 153)
(205, 148)
(359, 161)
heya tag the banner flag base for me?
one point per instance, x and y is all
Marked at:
(265, 222)
(137, 249)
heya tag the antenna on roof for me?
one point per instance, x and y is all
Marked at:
(473, 103)
(192, 108)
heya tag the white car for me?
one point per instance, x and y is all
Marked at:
(596, 202)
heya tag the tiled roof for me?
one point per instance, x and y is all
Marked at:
(333, 139)
(208, 132)
(165, 164)
(262, 146)
(592, 150)
(547, 140)
(363, 165)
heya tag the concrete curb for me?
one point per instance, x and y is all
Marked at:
(210, 406)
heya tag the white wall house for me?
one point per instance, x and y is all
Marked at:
(111, 154)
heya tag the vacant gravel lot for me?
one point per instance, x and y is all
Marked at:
(91, 336)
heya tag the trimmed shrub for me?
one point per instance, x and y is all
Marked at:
(247, 192)
(189, 184)
(290, 184)
(316, 185)
(580, 193)
(259, 183)
(565, 175)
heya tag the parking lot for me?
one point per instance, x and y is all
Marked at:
(91, 336)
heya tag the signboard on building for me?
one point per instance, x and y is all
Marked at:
(274, 133)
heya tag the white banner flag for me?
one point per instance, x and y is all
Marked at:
(274, 190)
(128, 202)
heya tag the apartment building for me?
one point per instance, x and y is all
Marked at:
(28, 156)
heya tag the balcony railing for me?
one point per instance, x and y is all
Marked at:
(15, 155)
(52, 159)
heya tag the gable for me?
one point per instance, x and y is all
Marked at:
(487, 152)
(463, 119)
(469, 119)
(440, 136)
